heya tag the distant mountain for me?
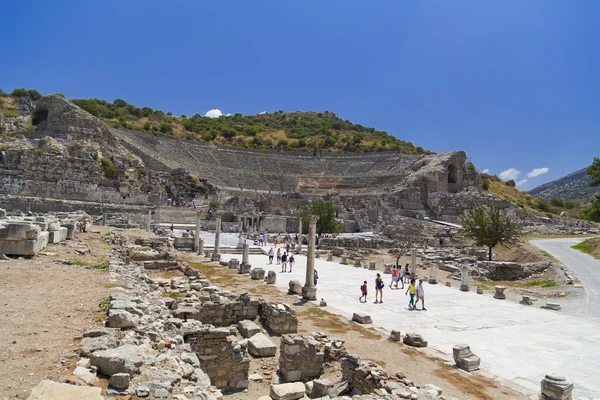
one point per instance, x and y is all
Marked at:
(570, 187)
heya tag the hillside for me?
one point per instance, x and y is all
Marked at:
(301, 131)
(570, 187)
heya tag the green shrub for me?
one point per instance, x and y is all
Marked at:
(511, 183)
(485, 184)
(557, 202)
(110, 170)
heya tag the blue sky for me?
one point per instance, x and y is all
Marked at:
(516, 84)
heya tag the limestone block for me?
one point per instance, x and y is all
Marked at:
(500, 292)
(479, 290)
(120, 380)
(234, 263)
(552, 306)
(321, 388)
(127, 358)
(271, 277)
(448, 284)
(388, 268)
(396, 336)
(464, 358)
(248, 328)
(50, 390)
(216, 257)
(372, 265)
(257, 274)
(317, 254)
(358, 262)
(329, 257)
(288, 391)
(415, 340)
(556, 387)
(344, 259)
(53, 226)
(57, 236)
(260, 345)
(362, 318)
(118, 318)
(99, 339)
(295, 287)
(244, 268)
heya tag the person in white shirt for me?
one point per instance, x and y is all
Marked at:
(420, 295)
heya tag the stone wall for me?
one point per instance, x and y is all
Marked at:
(278, 318)
(510, 271)
(301, 358)
(361, 375)
(221, 357)
(226, 309)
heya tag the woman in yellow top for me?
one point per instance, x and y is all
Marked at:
(412, 289)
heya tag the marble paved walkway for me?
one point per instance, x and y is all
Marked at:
(519, 344)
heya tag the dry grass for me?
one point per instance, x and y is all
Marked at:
(336, 324)
(590, 246)
(474, 385)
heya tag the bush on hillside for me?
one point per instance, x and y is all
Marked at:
(485, 184)
(557, 202)
(31, 93)
(511, 183)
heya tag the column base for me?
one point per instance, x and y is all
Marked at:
(309, 292)
(465, 288)
(215, 257)
(432, 281)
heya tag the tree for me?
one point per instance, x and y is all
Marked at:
(489, 227)
(326, 213)
(593, 213)
(511, 183)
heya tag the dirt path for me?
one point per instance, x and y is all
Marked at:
(419, 366)
(45, 306)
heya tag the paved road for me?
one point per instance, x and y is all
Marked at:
(585, 267)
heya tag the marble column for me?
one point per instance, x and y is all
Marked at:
(433, 274)
(246, 254)
(413, 263)
(464, 279)
(216, 255)
(309, 291)
(299, 244)
(197, 233)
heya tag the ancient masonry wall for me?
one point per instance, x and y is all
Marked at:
(278, 318)
(361, 375)
(224, 311)
(221, 357)
(301, 358)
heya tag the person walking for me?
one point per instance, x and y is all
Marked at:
(291, 262)
(363, 291)
(271, 255)
(420, 295)
(412, 290)
(315, 277)
(284, 262)
(379, 289)
(406, 273)
(278, 256)
(395, 276)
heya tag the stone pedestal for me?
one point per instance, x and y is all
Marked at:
(241, 241)
(200, 246)
(465, 359)
(295, 287)
(415, 340)
(526, 301)
(433, 275)
(396, 336)
(479, 290)
(309, 291)
(387, 268)
(500, 292)
(372, 265)
(317, 254)
(329, 257)
(215, 257)
(244, 268)
(464, 279)
(556, 387)
(344, 259)
(358, 262)
(257, 274)
(448, 284)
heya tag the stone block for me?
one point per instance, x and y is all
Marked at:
(329, 257)
(257, 274)
(57, 235)
(260, 345)
(526, 301)
(362, 318)
(396, 336)
(120, 380)
(344, 259)
(50, 390)
(479, 290)
(122, 319)
(372, 265)
(248, 328)
(288, 391)
(234, 263)
(295, 287)
(321, 388)
(244, 268)
(464, 358)
(271, 277)
(500, 292)
(387, 268)
(415, 340)
(552, 306)
(127, 359)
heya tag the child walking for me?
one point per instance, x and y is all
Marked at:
(363, 290)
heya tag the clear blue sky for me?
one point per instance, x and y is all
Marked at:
(516, 84)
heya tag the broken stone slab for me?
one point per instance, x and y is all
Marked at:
(526, 301)
(464, 358)
(288, 391)
(500, 292)
(295, 287)
(257, 274)
(271, 277)
(552, 306)
(50, 390)
(396, 336)
(248, 328)
(127, 358)
(99, 339)
(260, 345)
(120, 380)
(362, 318)
(556, 387)
(415, 340)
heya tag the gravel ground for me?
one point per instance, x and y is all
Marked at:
(583, 266)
